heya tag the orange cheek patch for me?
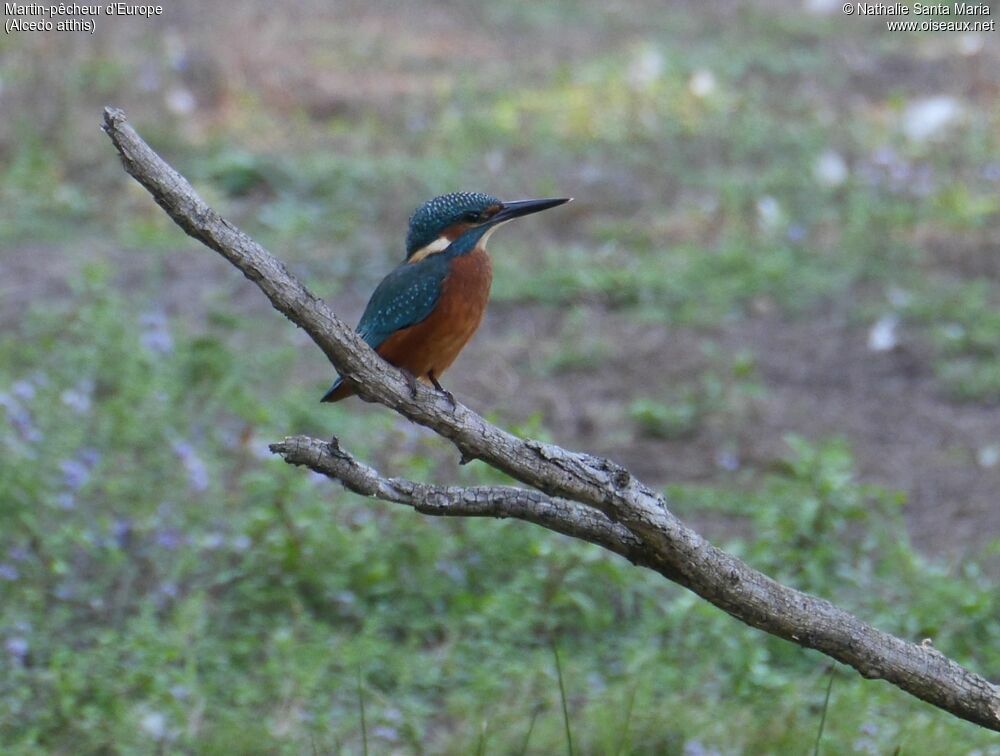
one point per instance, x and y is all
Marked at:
(456, 230)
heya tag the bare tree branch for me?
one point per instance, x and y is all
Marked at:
(560, 515)
(634, 517)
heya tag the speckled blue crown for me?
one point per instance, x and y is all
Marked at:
(432, 217)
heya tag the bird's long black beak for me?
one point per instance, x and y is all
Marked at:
(518, 208)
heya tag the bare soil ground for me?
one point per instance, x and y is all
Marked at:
(819, 379)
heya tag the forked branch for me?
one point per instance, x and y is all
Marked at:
(579, 495)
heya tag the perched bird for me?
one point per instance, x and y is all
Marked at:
(427, 309)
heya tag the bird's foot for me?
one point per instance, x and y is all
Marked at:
(411, 381)
(443, 390)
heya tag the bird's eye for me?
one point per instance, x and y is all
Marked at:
(472, 216)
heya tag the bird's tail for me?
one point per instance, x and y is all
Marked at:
(339, 390)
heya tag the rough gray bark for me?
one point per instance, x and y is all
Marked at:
(579, 495)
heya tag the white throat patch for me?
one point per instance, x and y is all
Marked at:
(488, 234)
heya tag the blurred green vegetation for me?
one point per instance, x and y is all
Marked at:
(166, 585)
(163, 580)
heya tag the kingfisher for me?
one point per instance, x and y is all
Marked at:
(425, 311)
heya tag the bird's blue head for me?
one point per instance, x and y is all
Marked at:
(466, 215)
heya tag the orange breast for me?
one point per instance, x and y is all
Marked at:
(433, 344)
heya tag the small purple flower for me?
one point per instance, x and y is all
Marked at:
(76, 399)
(697, 748)
(169, 539)
(393, 715)
(888, 168)
(23, 390)
(197, 472)
(168, 589)
(347, 598)
(156, 333)
(796, 233)
(154, 724)
(18, 553)
(89, 456)
(17, 648)
(121, 531)
(9, 572)
(179, 692)
(76, 470)
(885, 156)
(728, 460)
(64, 592)
(20, 418)
(183, 449)
(75, 474)
(386, 733)
(66, 501)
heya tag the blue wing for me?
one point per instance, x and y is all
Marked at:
(404, 298)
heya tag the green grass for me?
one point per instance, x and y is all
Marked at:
(726, 389)
(963, 321)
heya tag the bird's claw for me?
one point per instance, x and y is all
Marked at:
(411, 381)
(443, 390)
